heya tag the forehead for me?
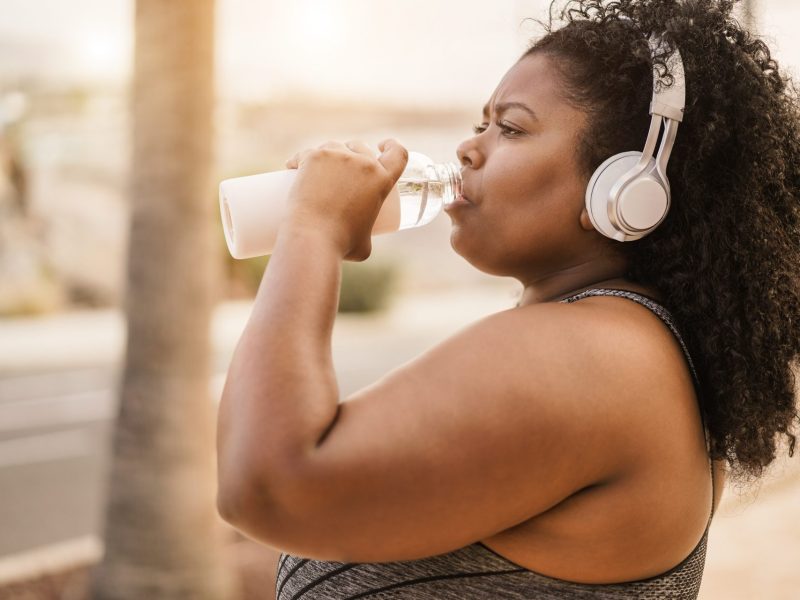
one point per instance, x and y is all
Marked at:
(535, 82)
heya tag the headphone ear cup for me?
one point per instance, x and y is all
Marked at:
(644, 203)
(641, 205)
(598, 192)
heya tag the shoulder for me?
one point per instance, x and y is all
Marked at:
(609, 349)
(596, 330)
(615, 324)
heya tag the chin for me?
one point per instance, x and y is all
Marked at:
(481, 260)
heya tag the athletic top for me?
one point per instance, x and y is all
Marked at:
(475, 571)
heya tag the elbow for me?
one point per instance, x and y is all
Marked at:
(226, 507)
(248, 511)
(250, 508)
(239, 492)
(231, 504)
(258, 504)
(239, 496)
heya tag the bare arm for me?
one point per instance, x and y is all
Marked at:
(281, 394)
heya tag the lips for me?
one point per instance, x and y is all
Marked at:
(463, 199)
(466, 192)
(460, 201)
(465, 196)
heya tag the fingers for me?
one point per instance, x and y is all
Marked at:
(360, 147)
(294, 162)
(299, 157)
(394, 157)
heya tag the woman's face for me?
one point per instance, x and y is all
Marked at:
(522, 179)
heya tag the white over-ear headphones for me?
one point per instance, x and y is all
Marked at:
(628, 195)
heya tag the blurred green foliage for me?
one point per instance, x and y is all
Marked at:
(366, 286)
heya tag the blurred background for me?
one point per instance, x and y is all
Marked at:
(289, 75)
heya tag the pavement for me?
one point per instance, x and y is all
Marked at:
(88, 338)
(754, 542)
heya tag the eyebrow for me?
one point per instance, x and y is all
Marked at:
(501, 108)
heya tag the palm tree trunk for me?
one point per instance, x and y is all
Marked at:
(749, 14)
(162, 534)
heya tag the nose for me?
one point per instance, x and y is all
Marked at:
(468, 154)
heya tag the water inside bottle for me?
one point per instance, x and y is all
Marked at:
(420, 201)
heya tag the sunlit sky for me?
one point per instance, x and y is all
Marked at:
(414, 52)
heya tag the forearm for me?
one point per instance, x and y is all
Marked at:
(281, 392)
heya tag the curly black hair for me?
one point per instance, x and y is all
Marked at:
(727, 257)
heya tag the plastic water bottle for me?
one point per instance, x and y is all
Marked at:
(253, 207)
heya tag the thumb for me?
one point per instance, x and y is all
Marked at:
(393, 157)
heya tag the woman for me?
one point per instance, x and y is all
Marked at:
(577, 444)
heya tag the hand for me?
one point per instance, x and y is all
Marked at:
(340, 189)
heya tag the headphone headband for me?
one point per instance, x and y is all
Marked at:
(668, 102)
(629, 194)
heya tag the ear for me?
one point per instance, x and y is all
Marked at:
(586, 222)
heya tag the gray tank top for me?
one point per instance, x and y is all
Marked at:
(476, 571)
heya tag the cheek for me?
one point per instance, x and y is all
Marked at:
(527, 198)
(525, 174)
(542, 215)
(529, 205)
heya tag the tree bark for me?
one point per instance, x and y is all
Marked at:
(162, 533)
(750, 14)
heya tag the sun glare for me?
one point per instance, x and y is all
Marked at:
(102, 56)
(318, 24)
(316, 35)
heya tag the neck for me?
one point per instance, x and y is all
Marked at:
(571, 280)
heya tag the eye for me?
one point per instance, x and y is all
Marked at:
(507, 131)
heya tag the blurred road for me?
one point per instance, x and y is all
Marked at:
(58, 377)
(54, 428)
